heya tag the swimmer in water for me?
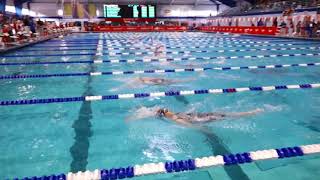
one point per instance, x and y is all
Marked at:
(159, 81)
(159, 50)
(142, 81)
(188, 119)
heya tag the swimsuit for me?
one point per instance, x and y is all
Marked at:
(158, 81)
(200, 117)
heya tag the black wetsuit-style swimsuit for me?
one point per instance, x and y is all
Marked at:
(201, 117)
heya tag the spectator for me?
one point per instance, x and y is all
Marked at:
(275, 22)
(298, 29)
(283, 26)
(32, 27)
(26, 23)
(260, 23)
(318, 28)
(290, 28)
(40, 27)
(309, 28)
(314, 28)
(252, 24)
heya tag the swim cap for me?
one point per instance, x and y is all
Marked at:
(162, 112)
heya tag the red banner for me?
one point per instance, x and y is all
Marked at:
(138, 28)
(241, 29)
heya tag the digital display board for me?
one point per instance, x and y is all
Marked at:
(129, 11)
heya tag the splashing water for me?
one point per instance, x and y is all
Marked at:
(143, 113)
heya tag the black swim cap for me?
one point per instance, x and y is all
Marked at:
(162, 112)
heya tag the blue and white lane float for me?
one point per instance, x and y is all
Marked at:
(157, 71)
(62, 49)
(215, 44)
(126, 44)
(150, 37)
(129, 40)
(211, 51)
(171, 44)
(169, 47)
(110, 53)
(156, 94)
(181, 166)
(99, 49)
(148, 60)
(123, 47)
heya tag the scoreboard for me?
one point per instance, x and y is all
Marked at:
(129, 11)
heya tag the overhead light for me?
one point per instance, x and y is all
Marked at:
(60, 12)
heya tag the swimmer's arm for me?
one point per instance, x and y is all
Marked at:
(180, 81)
(244, 114)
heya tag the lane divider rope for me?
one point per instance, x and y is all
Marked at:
(99, 61)
(206, 41)
(183, 41)
(46, 55)
(148, 37)
(143, 38)
(150, 71)
(130, 38)
(190, 43)
(210, 51)
(177, 44)
(216, 44)
(79, 49)
(181, 166)
(156, 94)
(139, 48)
(175, 52)
(123, 47)
(167, 41)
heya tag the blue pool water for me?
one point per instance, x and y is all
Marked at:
(48, 139)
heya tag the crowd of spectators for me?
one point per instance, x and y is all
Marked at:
(305, 28)
(280, 5)
(266, 6)
(15, 30)
(290, 26)
(288, 23)
(298, 28)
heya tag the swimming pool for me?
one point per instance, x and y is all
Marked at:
(52, 136)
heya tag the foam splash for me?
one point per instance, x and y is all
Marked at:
(273, 108)
(65, 58)
(143, 113)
